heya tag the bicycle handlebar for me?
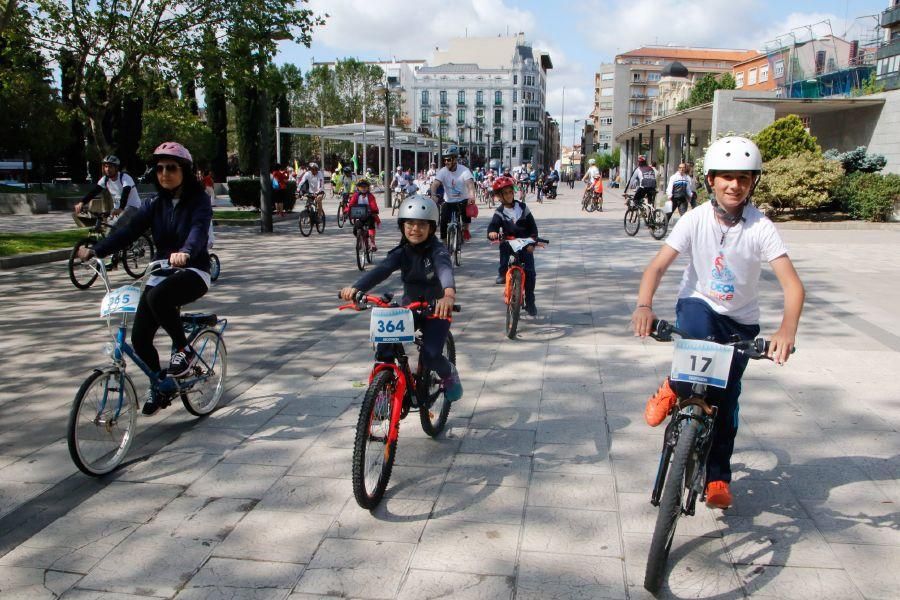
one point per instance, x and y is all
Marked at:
(364, 301)
(756, 349)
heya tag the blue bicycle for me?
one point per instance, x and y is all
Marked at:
(103, 418)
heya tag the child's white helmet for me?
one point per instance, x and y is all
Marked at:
(732, 153)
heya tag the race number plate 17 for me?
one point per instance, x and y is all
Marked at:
(697, 361)
(122, 300)
(391, 325)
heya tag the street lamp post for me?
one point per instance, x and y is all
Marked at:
(489, 148)
(440, 117)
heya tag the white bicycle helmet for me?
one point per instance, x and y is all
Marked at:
(592, 162)
(418, 207)
(732, 153)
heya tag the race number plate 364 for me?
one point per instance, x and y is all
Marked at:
(122, 300)
(697, 361)
(391, 325)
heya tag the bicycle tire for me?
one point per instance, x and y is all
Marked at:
(659, 224)
(632, 221)
(84, 443)
(215, 266)
(139, 249)
(433, 406)
(360, 252)
(81, 275)
(369, 487)
(212, 366)
(305, 223)
(514, 308)
(320, 223)
(341, 217)
(586, 199)
(457, 253)
(670, 506)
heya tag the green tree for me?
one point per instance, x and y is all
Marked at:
(802, 180)
(870, 85)
(705, 88)
(785, 137)
(173, 120)
(212, 78)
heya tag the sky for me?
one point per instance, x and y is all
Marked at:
(578, 35)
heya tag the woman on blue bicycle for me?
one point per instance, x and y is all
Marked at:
(427, 273)
(179, 217)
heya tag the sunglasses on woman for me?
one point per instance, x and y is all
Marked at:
(170, 168)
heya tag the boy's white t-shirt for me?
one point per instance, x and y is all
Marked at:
(725, 274)
(116, 186)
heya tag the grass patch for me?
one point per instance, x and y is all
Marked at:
(21, 243)
(243, 215)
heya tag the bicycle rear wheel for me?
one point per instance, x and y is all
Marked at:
(433, 406)
(215, 266)
(137, 256)
(341, 217)
(320, 222)
(632, 221)
(360, 251)
(98, 437)
(81, 275)
(670, 505)
(659, 224)
(514, 308)
(586, 199)
(373, 455)
(210, 371)
(305, 223)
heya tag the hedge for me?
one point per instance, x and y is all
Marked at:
(869, 196)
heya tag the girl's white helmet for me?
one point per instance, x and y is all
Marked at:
(732, 153)
(418, 207)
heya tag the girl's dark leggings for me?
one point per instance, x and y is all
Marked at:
(160, 307)
(434, 337)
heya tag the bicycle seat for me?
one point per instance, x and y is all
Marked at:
(200, 319)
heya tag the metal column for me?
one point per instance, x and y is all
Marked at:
(687, 141)
(640, 145)
(668, 153)
(652, 140)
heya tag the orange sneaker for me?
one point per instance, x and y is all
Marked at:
(718, 495)
(660, 404)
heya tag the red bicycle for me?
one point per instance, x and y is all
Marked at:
(514, 291)
(394, 390)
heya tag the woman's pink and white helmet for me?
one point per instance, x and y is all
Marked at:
(173, 150)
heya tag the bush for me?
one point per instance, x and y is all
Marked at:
(173, 120)
(785, 137)
(245, 192)
(868, 196)
(858, 160)
(803, 181)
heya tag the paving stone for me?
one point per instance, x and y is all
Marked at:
(577, 459)
(799, 583)
(215, 441)
(270, 452)
(315, 495)
(356, 568)
(433, 585)
(565, 530)
(775, 540)
(545, 575)
(77, 594)
(463, 546)
(236, 481)
(292, 427)
(323, 461)
(866, 567)
(426, 452)
(572, 430)
(325, 406)
(490, 469)
(275, 536)
(27, 584)
(134, 502)
(567, 490)
(481, 503)
(393, 520)
(253, 574)
(170, 468)
(205, 520)
(13, 494)
(637, 515)
(498, 441)
(416, 483)
(230, 593)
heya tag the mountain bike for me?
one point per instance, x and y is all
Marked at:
(587, 199)
(394, 390)
(654, 218)
(681, 475)
(342, 206)
(310, 215)
(455, 236)
(103, 417)
(134, 258)
(359, 216)
(514, 290)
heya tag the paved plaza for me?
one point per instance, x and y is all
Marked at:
(538, 489)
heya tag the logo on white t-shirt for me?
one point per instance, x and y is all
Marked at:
(721, 286)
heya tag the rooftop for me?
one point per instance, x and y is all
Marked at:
(488, 52)
(685, 53)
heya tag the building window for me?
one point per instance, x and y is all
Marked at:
(498, 97)
(607, 76)
(751, 77)
(606, 105)
(496, 136)
(460, 116)
(606, 121)
(425, 97)
(424, 115)
(739, 79)
(515, 79)
(513, 151)
(461, 97)
(653, 76)
(479, 135)
(779, 68)
(515, 114)
(444, 97)
(515, 96)
(514, 133)
(479, 97)
(498, 115)
(607, 91)
(764, 73)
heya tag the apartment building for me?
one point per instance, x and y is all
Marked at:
(488, 94)
(625, 89)
(888, 57)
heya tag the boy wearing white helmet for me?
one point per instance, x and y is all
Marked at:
(591, 175)
(725, 241)
(427, 273)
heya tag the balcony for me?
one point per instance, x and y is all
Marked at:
(479, 103)
(890, 16)
(889, 49)
(425, 102)
(638, 96)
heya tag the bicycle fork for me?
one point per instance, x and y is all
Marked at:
(396, 400)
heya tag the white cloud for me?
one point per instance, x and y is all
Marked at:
(578, 84)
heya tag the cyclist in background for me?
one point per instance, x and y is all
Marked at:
(680, 190)
(427, 273)
(514, 220)
(725, 242)
(120, 187)
(644, 180)
(313, 182)
(592, 174)
(459, 190)
(362, 197)
(179, 217)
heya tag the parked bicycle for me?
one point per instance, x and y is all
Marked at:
(653, 217)
(103, 419)
(310, 215)
(134, 258)
(394, 390)
(681, 476)
(514, 290)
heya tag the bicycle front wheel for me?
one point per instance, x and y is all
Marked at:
(341, 217)
(305, 223)
(209, 374)
(215, 266)
(360, 251)
(514, 308)
(373, 455)
(659, 224)
(670, 506)
(136, 257)
(102, 422)
(433, 406)
(632, 221)
(81, 275)
(320, 223)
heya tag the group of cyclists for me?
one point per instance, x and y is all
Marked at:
(724, 240)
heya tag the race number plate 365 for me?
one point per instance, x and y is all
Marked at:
(697, 361)
(391, 325)
(122, 300)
